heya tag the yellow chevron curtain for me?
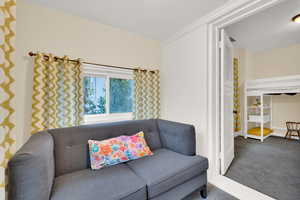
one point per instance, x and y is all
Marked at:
(237, 106)
(146, 94)
(7, 37)
(57, 99)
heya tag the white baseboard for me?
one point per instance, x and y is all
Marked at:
(239, 133)
(279, 134)
(237, 190)
(275, 134)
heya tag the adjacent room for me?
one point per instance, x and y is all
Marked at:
(266, 77)
(149, 100)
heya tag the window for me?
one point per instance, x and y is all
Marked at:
(120, 95)
(108, 94)
(94, 95)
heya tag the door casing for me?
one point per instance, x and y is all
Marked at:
(233, 12)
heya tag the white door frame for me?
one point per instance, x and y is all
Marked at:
(234, 11)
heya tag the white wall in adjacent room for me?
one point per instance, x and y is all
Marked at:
(280, 62)
(270, 63)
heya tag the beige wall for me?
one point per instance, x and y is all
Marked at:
(272, 63)
(277, 62)
(47, 30)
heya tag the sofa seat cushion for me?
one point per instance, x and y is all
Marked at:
(111, 183)
(167, 169)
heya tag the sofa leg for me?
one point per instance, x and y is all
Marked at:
(203, 192)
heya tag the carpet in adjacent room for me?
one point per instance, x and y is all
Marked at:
(271, 167)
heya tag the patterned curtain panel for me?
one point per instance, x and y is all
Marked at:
(57, 99)
(237, 106)
(147, 94)
(7, 37)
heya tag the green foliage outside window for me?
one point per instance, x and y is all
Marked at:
(94, 95)
(120, 95)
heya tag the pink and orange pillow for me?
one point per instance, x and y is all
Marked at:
(117, 150)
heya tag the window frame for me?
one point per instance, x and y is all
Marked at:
(107, 73)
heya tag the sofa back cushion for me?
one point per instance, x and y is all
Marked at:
(71, 144)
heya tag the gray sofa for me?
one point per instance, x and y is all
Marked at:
(54, 165)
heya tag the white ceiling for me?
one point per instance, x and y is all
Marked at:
(157, 19)
(271, 28)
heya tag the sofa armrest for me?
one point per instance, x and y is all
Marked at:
(31, 170)
(177, 137)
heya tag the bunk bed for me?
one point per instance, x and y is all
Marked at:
(258, 103)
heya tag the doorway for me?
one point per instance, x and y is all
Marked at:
(215, 24)
(226, 159)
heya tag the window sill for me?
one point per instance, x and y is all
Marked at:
(94, 119)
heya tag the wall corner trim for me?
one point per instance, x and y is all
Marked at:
(234, 6)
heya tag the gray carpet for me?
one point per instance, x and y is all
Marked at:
(213, 194)
(271, 167)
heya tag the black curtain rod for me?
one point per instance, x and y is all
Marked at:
(89, 63)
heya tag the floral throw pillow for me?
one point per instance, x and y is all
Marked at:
(137, 146)
(117, 150)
